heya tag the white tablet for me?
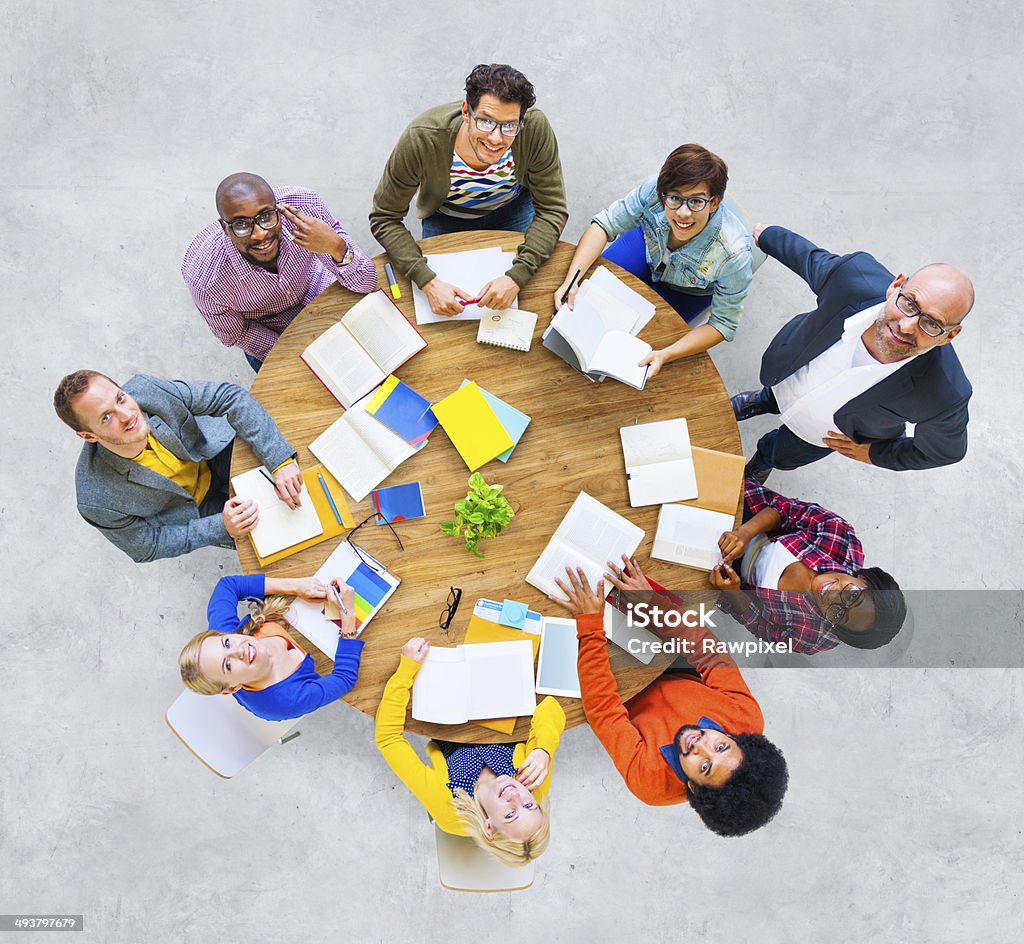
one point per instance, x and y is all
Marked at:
(556, 664)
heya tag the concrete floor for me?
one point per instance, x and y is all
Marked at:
(887, 125)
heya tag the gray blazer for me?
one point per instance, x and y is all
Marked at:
(145, 514)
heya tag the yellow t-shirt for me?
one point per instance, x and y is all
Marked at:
(194, 477)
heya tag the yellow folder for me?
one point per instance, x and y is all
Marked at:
(481, 630)
(472, 426)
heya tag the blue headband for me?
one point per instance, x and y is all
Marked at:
(671, 754)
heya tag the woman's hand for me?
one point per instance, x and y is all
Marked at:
(416, 649)
(627, 577)
(560, 291)
(535, 769)
(732, 544)
(309, 588)
(723, 577)
(580, 598)
(657, 360)
(345, 597)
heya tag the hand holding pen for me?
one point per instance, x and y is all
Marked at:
(345, 597)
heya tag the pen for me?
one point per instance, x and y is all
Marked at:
(330, 501)
(396, 292)
(265, 475)
(469, 301)
(565, 294)
(337, 596)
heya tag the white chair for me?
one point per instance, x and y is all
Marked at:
(464, 867)
(221, 733)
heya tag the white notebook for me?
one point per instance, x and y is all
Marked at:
(659, 462)
(360, 451)
(279, 526)
(470, 271)
(371, 341)
(480, 680)
(688, 535)
(510, 327)
(642, 309)
(590, 535)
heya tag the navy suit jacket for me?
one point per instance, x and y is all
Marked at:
(930, 391)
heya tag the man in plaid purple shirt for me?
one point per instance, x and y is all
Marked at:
(269, 255)
(802, 577)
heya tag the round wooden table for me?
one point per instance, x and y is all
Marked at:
(572, 444)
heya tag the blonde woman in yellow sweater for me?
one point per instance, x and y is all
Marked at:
(491, 792)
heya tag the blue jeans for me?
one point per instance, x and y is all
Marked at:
(515, 216)
(782, 448)
(254, 363)
(630, 252)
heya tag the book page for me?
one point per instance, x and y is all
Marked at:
(690, 536)
(612, 285)
(582, 329)
(349, 459)
(383, 331)
(553, 561)
(500, 679)
(618, 355)
(279, 526)
(337, 358)
(440, 692)
(598, 532)
(665, 482)
(391, 449)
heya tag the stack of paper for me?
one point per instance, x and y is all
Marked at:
(472, 425)
(469, 271)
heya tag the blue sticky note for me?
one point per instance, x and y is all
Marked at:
(513, 614)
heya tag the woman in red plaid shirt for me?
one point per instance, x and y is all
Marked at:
(799, 575)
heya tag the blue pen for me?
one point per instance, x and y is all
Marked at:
(330, 501)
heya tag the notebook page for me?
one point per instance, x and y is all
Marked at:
(643, 309)
(349, 459)
(688, 535)
(337, 358)
(500, 679)
(582, 328)
(279, 526)
(662, 441)
(383, 331)
(440, 691)
(598, 532)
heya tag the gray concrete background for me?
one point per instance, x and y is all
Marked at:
(890, 126)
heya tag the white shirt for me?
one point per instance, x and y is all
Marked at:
(809, 397)
(770, 564)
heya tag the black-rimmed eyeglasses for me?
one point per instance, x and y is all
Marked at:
(450, 609)
(243, 226)
(673, 201)
(910, 308)
(508, 128)
(849, 597)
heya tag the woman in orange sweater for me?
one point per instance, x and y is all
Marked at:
(682, 738)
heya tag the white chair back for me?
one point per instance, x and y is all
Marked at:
(465, 867)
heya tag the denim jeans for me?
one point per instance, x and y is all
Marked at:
(630, 252)
(515, 216)
(254, 363)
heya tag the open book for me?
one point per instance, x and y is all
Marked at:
(279, 526)
(603, 279)
(371, 341)
(590, 535)
(659, 462)
(595, 337)
(688, 535)
(481, 680)
(360, 452)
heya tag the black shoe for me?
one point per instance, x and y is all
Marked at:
(754, 470)
(747, 404)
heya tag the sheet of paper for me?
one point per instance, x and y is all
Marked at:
(469, 271)
(440, 692)
(500, 679)
(279, 526)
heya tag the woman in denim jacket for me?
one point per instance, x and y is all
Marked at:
(673, 233)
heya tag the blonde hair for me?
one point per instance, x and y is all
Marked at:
(270, 610)
(512, 852)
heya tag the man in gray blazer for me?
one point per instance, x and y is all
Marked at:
(153, 473)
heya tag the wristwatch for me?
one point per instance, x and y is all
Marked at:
(347, 258)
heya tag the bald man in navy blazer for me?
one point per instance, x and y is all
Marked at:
(872, 357)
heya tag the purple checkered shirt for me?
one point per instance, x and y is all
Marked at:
(818, 538)
(247, 306)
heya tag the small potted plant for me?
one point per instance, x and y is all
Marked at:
(483, 513)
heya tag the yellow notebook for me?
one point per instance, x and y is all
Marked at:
(481, 630)
(472, 426)
(323, 510)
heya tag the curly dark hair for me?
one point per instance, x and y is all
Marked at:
(503, 82)
(70, 389)
(890, 611)
(751, 797)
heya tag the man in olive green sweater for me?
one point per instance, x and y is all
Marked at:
(489, 163)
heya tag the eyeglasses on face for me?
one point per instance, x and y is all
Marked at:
(242, 226)
(508, 128)
(450, 609)
(929, 325)
(673, 201)
(849, 597)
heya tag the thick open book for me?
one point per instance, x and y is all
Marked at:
(659, 462)
(360, 451)
(595, 337)
(371, 341)
(481, 680)
(279, 526)
(590, 535)
(688, 535)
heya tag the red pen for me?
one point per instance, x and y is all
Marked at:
(469, 301)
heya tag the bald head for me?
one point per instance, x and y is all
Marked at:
(949, 286)
(245, 188)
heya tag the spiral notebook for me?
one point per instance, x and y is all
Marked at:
(510, 327)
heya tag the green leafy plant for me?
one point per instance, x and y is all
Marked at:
(483, 513)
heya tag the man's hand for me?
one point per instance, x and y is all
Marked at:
(723, 577)
(535, 768)
(580, 598)
(444, 298)
(499, 293)
(240, 516)
(656, 359)
(732, 544)
(416, 649)
(758, 230)
(288, 484)
(314, 234)
(847, 447)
